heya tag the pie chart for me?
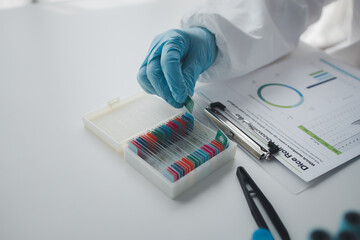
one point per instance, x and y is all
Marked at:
(280, 95)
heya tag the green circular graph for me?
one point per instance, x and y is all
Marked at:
(281, 85)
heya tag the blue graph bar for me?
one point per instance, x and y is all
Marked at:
(316, 84)
(325, 77)
(320, 75)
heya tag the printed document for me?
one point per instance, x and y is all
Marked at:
(308, 105)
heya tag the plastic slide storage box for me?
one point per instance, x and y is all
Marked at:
(123, 120)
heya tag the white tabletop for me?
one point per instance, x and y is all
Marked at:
(58, 181)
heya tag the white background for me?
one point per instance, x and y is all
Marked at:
(58, 181)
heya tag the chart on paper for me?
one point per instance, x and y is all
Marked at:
(337, 129)
(309, 106)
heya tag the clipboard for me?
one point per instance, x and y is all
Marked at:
(215, 115)
(220, 115)
(295, 103)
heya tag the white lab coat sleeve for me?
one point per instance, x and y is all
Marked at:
(251, 33)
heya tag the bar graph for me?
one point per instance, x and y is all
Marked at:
(322, 77)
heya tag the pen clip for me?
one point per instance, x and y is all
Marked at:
(254, 191)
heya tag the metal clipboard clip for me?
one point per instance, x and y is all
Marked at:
(217, 112)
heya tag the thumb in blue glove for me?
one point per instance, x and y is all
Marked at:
(175, 60)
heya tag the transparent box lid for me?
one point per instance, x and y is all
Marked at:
(124, 119)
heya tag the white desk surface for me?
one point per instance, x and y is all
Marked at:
(58, 181)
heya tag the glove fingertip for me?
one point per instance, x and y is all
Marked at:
(144, 81)
(180, 98)
(178, 105)
(141, 75)
(148, 91)
(174, 103)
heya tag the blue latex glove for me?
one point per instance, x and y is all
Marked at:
(262, 234)
(175, 60)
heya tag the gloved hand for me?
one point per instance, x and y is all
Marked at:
(175, 60)
(262, 234)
